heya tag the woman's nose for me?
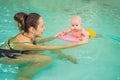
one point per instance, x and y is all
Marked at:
(44, 28)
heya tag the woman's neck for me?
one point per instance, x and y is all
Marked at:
(29, 36)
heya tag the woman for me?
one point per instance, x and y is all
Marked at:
(18, 48)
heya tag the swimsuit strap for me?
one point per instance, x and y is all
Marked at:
(23, 51)
(9, 45)
(22, 42)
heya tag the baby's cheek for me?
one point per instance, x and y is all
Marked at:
(72, 28)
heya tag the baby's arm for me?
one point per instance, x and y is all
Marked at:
(85, 34)
(64, 32)
(67, 31)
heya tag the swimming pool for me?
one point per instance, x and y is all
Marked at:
(98, 60)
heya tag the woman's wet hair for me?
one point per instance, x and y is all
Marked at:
(25, 21)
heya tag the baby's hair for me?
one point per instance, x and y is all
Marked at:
(25, 21)
(77, 16)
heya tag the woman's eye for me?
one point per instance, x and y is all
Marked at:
(42, 26)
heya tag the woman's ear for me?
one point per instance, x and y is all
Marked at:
(31, 30)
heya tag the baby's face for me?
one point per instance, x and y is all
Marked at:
(75, 24)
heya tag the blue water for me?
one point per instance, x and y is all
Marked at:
(98, 60)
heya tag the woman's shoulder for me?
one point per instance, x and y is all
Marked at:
(19, 40)
(14, 39)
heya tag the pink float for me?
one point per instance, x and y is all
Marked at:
(68, 38)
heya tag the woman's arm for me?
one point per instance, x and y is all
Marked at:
(45, 39)
(35, 47)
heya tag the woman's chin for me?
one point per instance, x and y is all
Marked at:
(38, 35)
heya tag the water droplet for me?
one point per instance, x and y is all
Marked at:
(118, 78)
(6, 79)
(5, 70)
(5, 20)
(7, 11)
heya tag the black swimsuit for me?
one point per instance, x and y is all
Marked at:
(10, 53)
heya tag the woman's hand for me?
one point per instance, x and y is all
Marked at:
(84, 41)
(58, 34)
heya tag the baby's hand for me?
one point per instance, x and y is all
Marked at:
(64, 33)
(61, 34)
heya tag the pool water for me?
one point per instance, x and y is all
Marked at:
(98, 60)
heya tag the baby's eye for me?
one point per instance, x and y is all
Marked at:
(76, 25)
(72, 25)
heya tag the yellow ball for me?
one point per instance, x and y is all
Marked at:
(92, 33)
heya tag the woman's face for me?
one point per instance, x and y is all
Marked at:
(40, 28)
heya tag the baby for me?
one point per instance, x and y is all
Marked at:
(76, 29)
